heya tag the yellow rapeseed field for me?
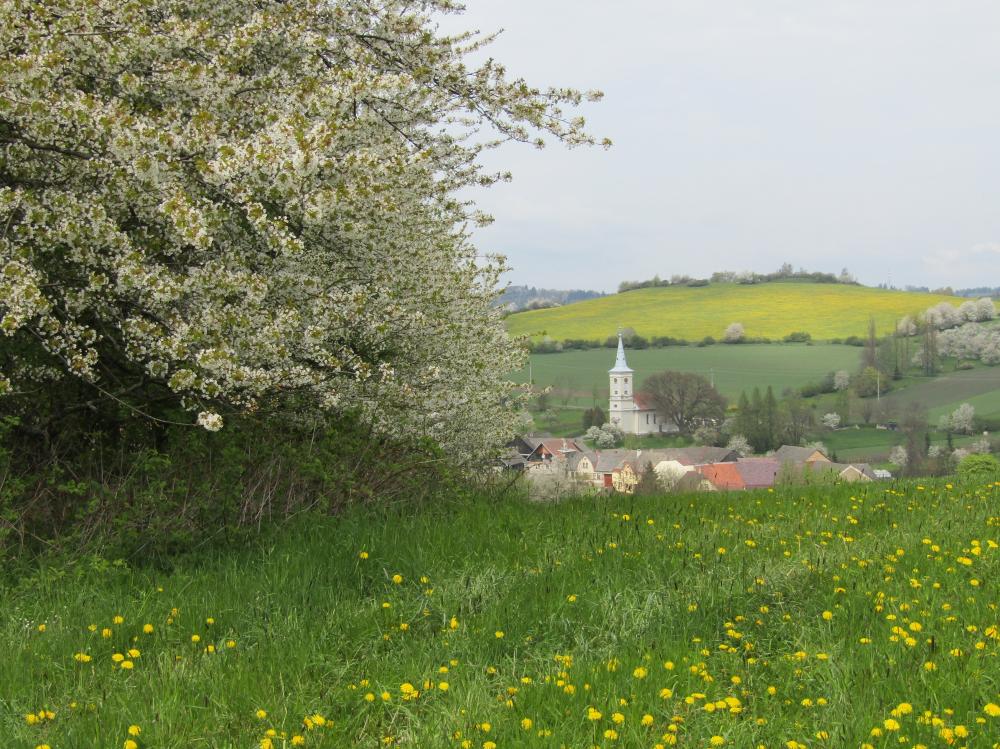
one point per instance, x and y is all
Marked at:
(770, 310)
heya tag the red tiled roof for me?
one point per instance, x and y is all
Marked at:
(643, 403)
(723, 475)
(746, 474)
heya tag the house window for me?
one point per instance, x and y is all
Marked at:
(654, 418)
(647, 418)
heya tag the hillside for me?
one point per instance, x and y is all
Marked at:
(610, 621)
(766, 310)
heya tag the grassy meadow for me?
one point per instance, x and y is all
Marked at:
(770, 310)
(856, 616)
(734, 367)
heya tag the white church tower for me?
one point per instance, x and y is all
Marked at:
(621, 381)
(626, 409)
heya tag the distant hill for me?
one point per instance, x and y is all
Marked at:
(770, 310)
(517, 298)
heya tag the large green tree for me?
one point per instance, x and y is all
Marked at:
(686, 398)
(229, 206)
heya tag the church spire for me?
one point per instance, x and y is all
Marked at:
(620, 364)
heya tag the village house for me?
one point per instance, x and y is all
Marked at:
(746, 473)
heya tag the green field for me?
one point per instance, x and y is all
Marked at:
(766, 310)
(733, 368)
(806, 615)
(944, 393)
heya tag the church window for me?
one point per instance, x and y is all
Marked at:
(616, 392)
(616, 380)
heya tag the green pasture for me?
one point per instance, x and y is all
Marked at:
(734, 368)
(804, 617)
(945, 392)
(766, 310)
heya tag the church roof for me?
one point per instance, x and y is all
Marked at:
(621, 366)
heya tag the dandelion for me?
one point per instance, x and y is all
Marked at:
(147, 629)
(526, 724)
(134, 730)
(992, 709)
(397, 579)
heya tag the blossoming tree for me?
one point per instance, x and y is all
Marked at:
(230, 205)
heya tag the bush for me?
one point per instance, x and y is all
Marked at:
(797, 337)
(706, 341)
(979, 468)
(138, 493)
(853, 340)
(661, 341)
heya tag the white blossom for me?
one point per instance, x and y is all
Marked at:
(252, 202)
(734, 333)
(212, 422)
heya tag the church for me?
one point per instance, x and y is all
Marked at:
(629, 410)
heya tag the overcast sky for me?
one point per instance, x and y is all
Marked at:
(857, 133)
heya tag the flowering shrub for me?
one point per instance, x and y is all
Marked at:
(220, 204)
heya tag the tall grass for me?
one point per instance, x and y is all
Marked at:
(517, 624)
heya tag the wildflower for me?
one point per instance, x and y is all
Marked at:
(128, 665)
(443, 686)
(647, 720)
(41, 627)
(992, 709)
(147, 629)
(397, 579)
(195, 638)
(362, 555)
(261, 714)
(639, 673)
(526, 724)
(134, 730)
(82, 658)
(499, 634)
(717, 741)
(593, 714)
(298, 740)
(130, 744)
(827, 615)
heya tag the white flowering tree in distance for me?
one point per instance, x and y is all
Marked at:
(232, 206)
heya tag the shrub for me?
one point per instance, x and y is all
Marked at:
(797, 337)
(979, 468)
